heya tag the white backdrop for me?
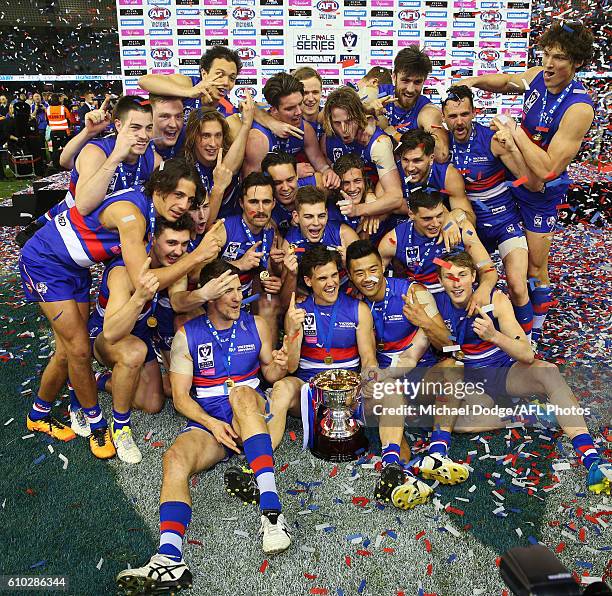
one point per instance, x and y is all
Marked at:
(341, 38)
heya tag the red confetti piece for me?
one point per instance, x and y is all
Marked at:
(348, 62)
(446, 66)
(157, 444)
(451, 509)
(442, 263)
(453, 278)
(334, 472)
(347, 560)
(364, 553)
(582, 534)
(284, 467)
(196, 542)
(264, 566)
(292, 435)
(322, 591)
(520, 181)
(420, 535)
(310, 576)
(443, 191)
(389, 550)
(30, 491)
(360, 501)
(429, 569)
(427, 545)
(560, 547)
(497, 561)
(563, 206)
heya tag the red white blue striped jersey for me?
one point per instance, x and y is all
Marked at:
(209, 358)
(393, 329)
(343, 344)
(417, 253)
(485, 177)
(79, 241)
(478, 353)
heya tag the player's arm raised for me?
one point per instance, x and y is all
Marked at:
(501, 82)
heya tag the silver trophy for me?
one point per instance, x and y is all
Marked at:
(338, 421)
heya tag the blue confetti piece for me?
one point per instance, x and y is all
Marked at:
(339, 592)
(39, 564)
(39, 459)
(567, 28)
(366, 543)
(556, 182)
(382, 94)
(362, 586)
(392, 534)
(452, 558)
(313, 507)
(532, 539)
(329, 529)
(584, 564)
(353, 536)
(338, 501)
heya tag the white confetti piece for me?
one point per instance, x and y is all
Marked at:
(452, 531)
(50, 448)
(241, 533)
(562, 465)
(65, 460)
(28, 436)
(99, 565)
(8, 421)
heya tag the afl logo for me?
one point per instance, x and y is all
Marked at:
(241, 92)
(488, 55)
(246, 53)
(243, 14)
(159, 13)
(491, 16)
(162, 54)
(327, 6)
(409, 16)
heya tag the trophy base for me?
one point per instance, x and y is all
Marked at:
(340, 450)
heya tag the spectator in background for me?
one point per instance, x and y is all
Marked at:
(22, 111)
(4, 107)
(59, 118)
(36, 140)
(88, 105)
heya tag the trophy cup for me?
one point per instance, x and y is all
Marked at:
(338, 433)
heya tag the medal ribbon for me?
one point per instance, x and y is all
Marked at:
(266, 240)
(332, 323)
(546, 116)
(123, 176)
(378, 316)
(226, 354)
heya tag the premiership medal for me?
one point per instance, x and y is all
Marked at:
(328, 360)
(380, 346)
(292, 247)
(459, 355)
(152, 322)
(264, 275)
(537, 137)
(230, 383)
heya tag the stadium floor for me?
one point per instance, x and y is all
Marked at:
(92, 519)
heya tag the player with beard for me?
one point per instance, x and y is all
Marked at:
(405, 108)
(248, 241)
(168, 121)
(282, 169)
(482, 156)
(417, 244)
(557, 115)
(416, 163)
(219, 356)
(121, 329)
(311, 227)
(208, 143)
(54, 267)
(495, 351)
(285, 93)
(346, 131)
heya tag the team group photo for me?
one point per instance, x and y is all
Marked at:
(267, 329)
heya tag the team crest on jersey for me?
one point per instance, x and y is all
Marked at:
(231, 252)
(412, 254)
(206, 358)
(510, 229)
(535, 95)
(551, 221)
(537, 221)
(337, 152)
(310, 328)
(41, 287)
